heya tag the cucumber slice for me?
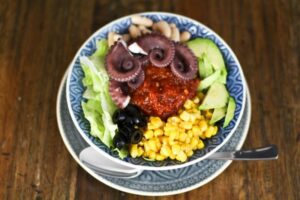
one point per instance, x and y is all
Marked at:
(223, 76)
(230, 111)
(208, 81)
(207, 46)
(218, 114)
(205, 67)
(216, 97)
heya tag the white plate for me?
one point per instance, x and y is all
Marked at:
(152, 183)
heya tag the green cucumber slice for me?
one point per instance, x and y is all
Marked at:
(216, 97)
(230, 111)
(218, 114)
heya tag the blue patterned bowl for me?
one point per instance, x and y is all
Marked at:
(235, 84)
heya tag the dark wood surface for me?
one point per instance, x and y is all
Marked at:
(38, 39)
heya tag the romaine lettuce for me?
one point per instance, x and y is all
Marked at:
(98, 106)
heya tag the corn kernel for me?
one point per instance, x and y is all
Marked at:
(148, 134)
(193, 118)
(187, 140)
(170, 127)
(182, 137)
(165, 150)
(150, 126)
(141, 143)
(196, 100)
(175, 149)
(152, 155)
(190, 133)
(181, 156)
(165, 140)
(185, 116)
(196, 130)
(158, 132)
(152, 145)
(140, 151)
(203, 125)
(202, 135)
(186, 125)
(215, 130)
(146, 147)
(188, 104)
(173, 119)
(145, 154)
(198, 115)
(173, 136)
(156, 122)
(172, 156)
(189, 153)
(159, 157)
(208, 114)
(200, 144)
(209, 132)
(194, 143)
(173, 142)
(134, 151)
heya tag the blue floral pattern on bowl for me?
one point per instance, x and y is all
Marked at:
(235, 84)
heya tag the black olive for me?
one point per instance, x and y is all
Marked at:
(126, 131)
(128, 121)
(119, 116)
(132, 110)
(136, 120)
(136, 136)
(142, 122)
(119, 141)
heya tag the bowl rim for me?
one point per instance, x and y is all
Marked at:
(122, 162)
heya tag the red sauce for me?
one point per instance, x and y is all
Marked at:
(162, 93)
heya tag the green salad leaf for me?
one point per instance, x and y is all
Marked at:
(98, 106)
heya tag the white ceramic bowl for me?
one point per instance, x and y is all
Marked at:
(235, 85)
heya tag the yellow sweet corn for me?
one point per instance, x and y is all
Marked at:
(179, 136)
(159, 157)
(148, 134)
(175, 149)
(134, 151)
(185, 116)
(186, 125)
(165, 150)
(181, 156)
(158, 132)
(200, 144)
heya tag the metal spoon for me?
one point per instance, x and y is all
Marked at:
(104, 166)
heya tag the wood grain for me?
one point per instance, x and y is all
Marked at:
(38, 40)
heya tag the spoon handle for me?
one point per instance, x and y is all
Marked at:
(263, 153)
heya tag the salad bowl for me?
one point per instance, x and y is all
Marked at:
(235, 84)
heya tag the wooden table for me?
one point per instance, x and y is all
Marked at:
(38, 39)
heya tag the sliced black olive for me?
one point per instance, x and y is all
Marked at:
(126, 131)
(136, 136)
(142, 122)
(119, 141)
(119, 116)
(132, 110)
(128, 122)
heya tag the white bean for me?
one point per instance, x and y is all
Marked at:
(175, 34)
(139, 20)
(185, 36)
(126, 37)
(134, 31)
(110, 38)
(144, 29)
(163, 27)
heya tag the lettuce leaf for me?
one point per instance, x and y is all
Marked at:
(98, 106)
